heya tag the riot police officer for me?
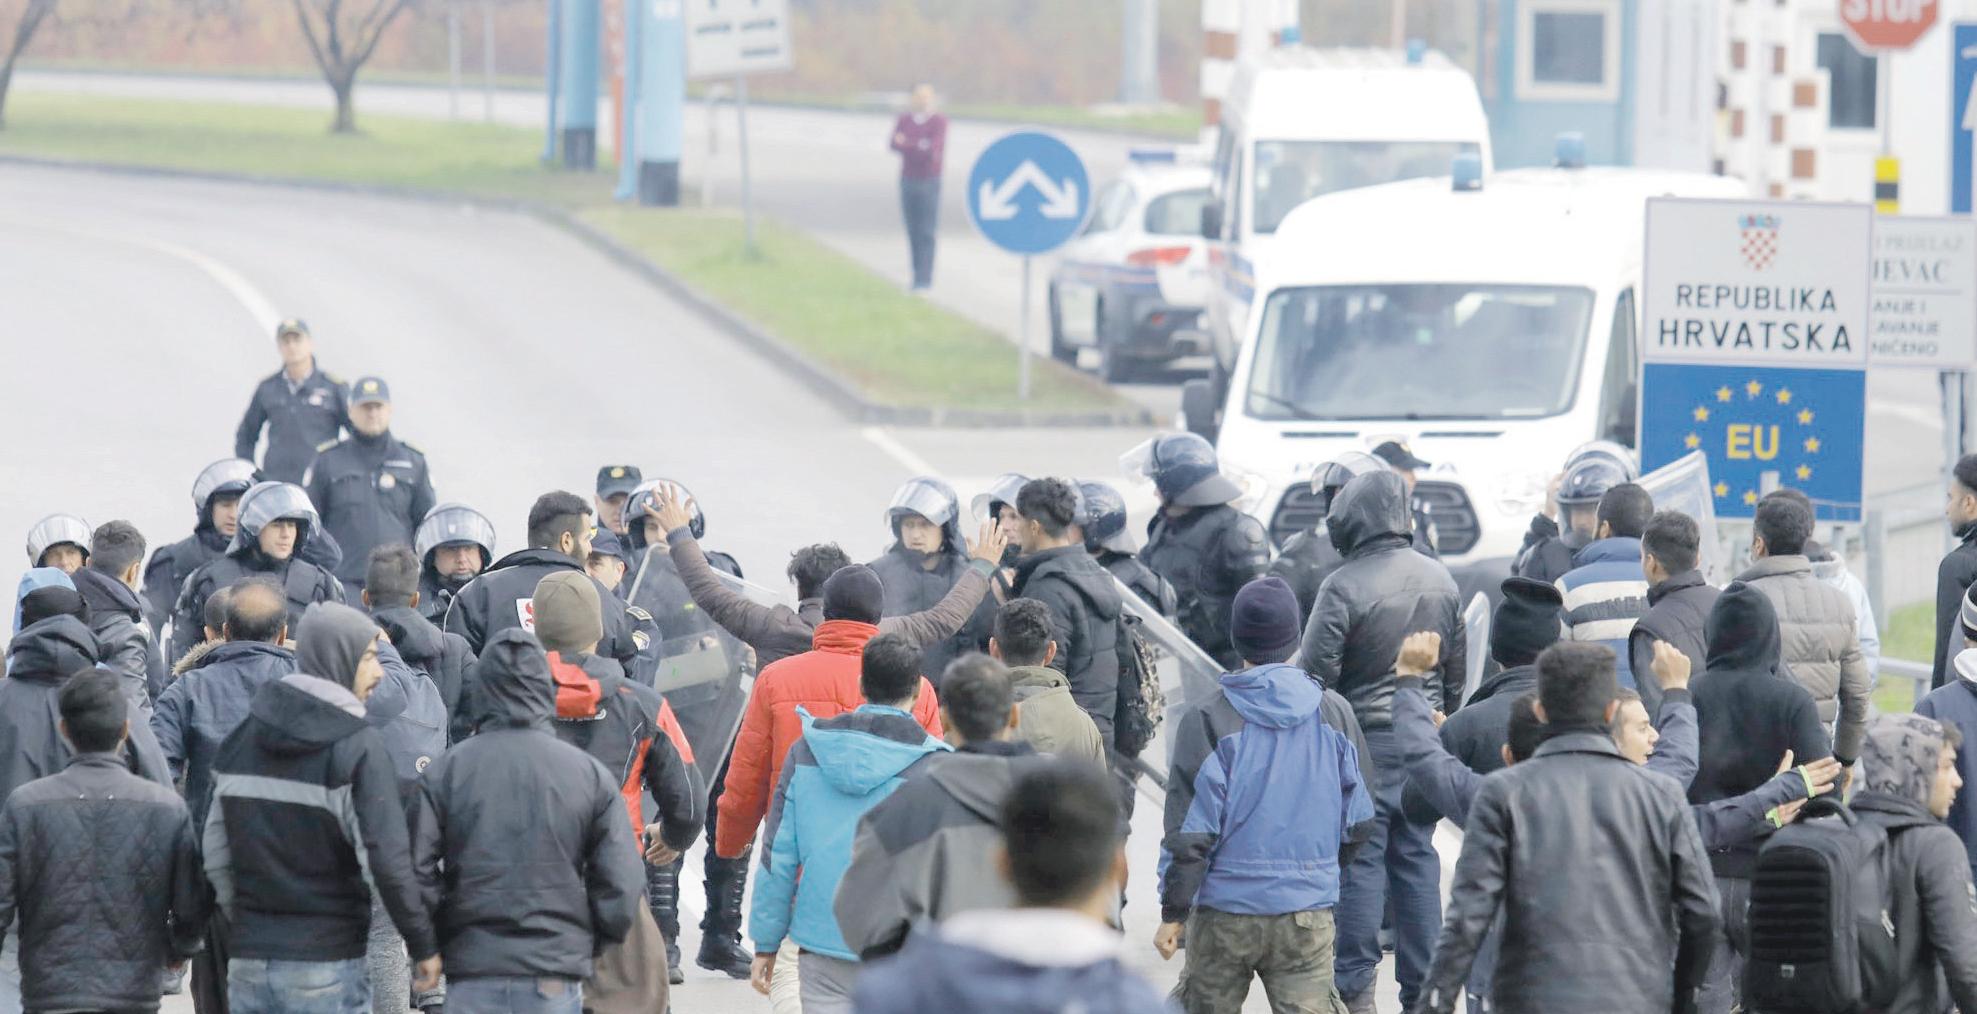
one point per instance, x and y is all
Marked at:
(1199, 541)
(301, 406)
(216, 512)
(1108, 542)
(455, 543)
(373, 489)
(276, 521)
(615, 485)
(60, 541)
(927, 556)
(1309, 557)
(1590, 471)
(998, 504)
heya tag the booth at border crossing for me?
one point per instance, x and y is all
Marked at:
(1755, 341)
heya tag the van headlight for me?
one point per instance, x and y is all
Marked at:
(1522, 494)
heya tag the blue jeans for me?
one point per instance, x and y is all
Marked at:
(513, 994)
(1400, 858)
(260, 986)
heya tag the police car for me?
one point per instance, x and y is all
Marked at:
(1134, 283)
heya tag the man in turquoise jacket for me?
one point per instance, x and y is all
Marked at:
(842, 767)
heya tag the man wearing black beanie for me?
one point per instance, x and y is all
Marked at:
(1526, 623)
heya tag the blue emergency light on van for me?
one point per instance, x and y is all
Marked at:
(1569, 151)
(1152, 156)
(1467, 172)
(1417, 51)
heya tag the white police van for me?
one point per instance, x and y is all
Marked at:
(1492, 327)
(1299, 123)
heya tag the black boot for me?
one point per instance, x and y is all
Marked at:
(720, 931)
(662, 891)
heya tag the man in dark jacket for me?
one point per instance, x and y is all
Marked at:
(927, 558)
(391, 594)
(559, 539)
(277, 525)
(54, 644)
(1958, 571)
(108, 584)
(1909, 777)
(1251, 863)
(215, 688)
(216, 511)
(1525, 624)
(95, 831)
(372, 489)
(301, 406)
(1595, 835)
(1383, 592)
(1309, 556)
(1748, 713)
(1081, 596)
(298, 789)
(514, 798)
(1678, 599)
(1955, 703)
(1199, 542)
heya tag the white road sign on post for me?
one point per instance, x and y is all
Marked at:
(1925, 292)
(725, 38)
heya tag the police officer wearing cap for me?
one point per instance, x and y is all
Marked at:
(455, 543)
(1198, 541)
(373, 489)
(615, 486)
(216, 513)
(1401, 459)
(301, 406)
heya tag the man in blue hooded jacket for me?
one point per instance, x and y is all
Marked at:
(1250, 863)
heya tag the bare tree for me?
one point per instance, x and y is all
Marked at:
(342, 36)
(32, 16)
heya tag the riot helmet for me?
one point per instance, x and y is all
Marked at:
(1588, 479)
(1183, 468)
(988, 504)
(266, 502)
(225, 477)
(644, 495)
(1327, 479)
(57, 530)
(453, 524)
(1605, 449)
(934, 500)
(1104, 518)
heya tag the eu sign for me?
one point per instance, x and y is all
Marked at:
(1761, 428)
(1028, 193)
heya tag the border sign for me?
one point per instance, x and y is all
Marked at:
(726, 39)
(1756, 331)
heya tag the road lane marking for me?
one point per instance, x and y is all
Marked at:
(898, 452)
(251, 299)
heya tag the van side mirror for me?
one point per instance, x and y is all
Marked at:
(1198, 408)
(1211, 219)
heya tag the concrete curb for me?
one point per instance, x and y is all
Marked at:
(811, 374)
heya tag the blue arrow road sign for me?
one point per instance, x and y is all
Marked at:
(1028, 193)
(1761, 427)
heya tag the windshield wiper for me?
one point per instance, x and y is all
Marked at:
(1298, 411)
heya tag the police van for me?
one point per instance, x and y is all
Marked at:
(1492, 326)
(1298, 123)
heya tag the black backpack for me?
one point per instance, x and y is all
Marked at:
(1142, 703)
(1821, 940)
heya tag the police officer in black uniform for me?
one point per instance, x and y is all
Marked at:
(373, 489)
(1401, 459)
(1549, 547)
(455, 543)
(301, 406)
(1108, 543)
(276, 521)
(1199, 541)
(216, 509)
(615, 486)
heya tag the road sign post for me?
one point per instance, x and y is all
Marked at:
(1029, 194)
(735, 40)
(1755, 322)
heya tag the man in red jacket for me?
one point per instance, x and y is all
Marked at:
(823, 682)
(920, 138)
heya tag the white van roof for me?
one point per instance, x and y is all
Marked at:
(1525, 226)
(1299, 93)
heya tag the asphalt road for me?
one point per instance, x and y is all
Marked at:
(139, 316)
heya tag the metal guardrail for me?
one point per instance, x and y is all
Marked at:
(1917, 673)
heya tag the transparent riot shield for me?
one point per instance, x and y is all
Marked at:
(1476, 620)
(1683, 485)
(704, 672)
(1188, 677)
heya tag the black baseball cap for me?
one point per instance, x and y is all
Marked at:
(607, 543)
(365, 390)
(615, 479)
(1396, 454)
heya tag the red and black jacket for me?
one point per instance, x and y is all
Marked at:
(629, 729)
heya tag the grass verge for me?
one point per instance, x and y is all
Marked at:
(894, 348)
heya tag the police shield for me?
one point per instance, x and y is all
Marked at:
(704, 672)
(1683, 485)
(1476, 621)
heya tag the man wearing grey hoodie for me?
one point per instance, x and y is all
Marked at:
(298, 789)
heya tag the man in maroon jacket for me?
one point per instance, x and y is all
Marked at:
(920, 138)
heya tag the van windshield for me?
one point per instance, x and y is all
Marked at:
(1289, 173)
(1421, 351)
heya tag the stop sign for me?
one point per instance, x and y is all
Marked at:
(1887, 24)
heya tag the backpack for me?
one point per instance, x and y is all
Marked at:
(1821, 939)
(1142, 704)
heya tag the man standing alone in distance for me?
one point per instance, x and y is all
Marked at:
(920, 138)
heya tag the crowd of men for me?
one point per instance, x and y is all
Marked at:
(334, 754)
